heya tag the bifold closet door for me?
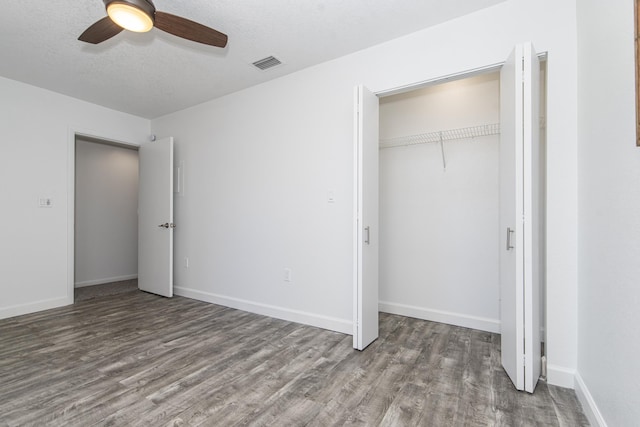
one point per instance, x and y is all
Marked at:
(519, 217)
(366, 235)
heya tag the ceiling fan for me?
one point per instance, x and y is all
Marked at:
(141, 16)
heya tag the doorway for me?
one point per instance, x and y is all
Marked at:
(154, 213)
(439, 202)
(105, 217)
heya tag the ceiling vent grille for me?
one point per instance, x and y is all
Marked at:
(268, 62)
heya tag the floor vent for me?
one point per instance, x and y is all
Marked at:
(268, 62)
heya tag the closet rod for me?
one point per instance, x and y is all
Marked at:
(440, 136)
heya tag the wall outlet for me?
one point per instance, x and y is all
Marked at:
(287, 275)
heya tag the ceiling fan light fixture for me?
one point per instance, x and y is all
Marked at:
(130, 16)
(141, 16)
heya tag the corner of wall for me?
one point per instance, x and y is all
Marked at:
(570, 378)
(33, 307)
(561, 376)
(588, 403)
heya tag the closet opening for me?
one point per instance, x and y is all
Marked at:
(439, 199)
(105, 232)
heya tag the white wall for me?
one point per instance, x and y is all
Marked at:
(258, 164)
(439, 254)
(37, 151)
(609, 214)
(106, 203)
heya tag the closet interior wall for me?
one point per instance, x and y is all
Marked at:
(439, 225)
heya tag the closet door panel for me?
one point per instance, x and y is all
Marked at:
(520, 217)
(532, 179)
(511, 226)
(366, 234)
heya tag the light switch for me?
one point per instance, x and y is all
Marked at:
(45, 202)
(178, 179)
(331, 196)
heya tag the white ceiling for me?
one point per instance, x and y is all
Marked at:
(153, 74)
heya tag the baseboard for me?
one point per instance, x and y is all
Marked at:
(457, 319)
(588, 404)
(311, 319)
(561, 376)
(32, 307)
(105, 280)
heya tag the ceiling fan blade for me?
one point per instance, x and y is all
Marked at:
(102, 30)
(189, 30)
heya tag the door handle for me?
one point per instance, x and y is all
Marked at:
(509, 231)
(368, 238)
(167, 225)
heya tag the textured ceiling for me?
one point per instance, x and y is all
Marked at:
(154, 73)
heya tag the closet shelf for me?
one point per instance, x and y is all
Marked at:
(440, 136)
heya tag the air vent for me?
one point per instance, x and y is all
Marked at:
(268, 62)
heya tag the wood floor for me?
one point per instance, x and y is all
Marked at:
(112, 288)
(138, 359)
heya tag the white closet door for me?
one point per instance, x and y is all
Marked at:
(519, 192)
(532, 179)
(366, 235)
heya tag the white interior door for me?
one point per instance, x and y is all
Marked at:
(155, 218)
(519, 222)
(365, 329)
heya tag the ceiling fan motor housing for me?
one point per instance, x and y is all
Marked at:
(145, 5)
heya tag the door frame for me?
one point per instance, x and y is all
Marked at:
(356, 233)
(408, 87)
(72, 134)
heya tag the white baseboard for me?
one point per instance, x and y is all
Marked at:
(588, 404)
(457, 319)
(311, 319)
(105, 280)
(32, 307)
(561, 376)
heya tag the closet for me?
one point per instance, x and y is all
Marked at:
(439, 165)
(451, 243)
(439, 201)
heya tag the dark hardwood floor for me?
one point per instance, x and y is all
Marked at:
(137, 359)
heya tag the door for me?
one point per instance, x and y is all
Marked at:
(365, 329)
(155, 218)
(519, 217)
